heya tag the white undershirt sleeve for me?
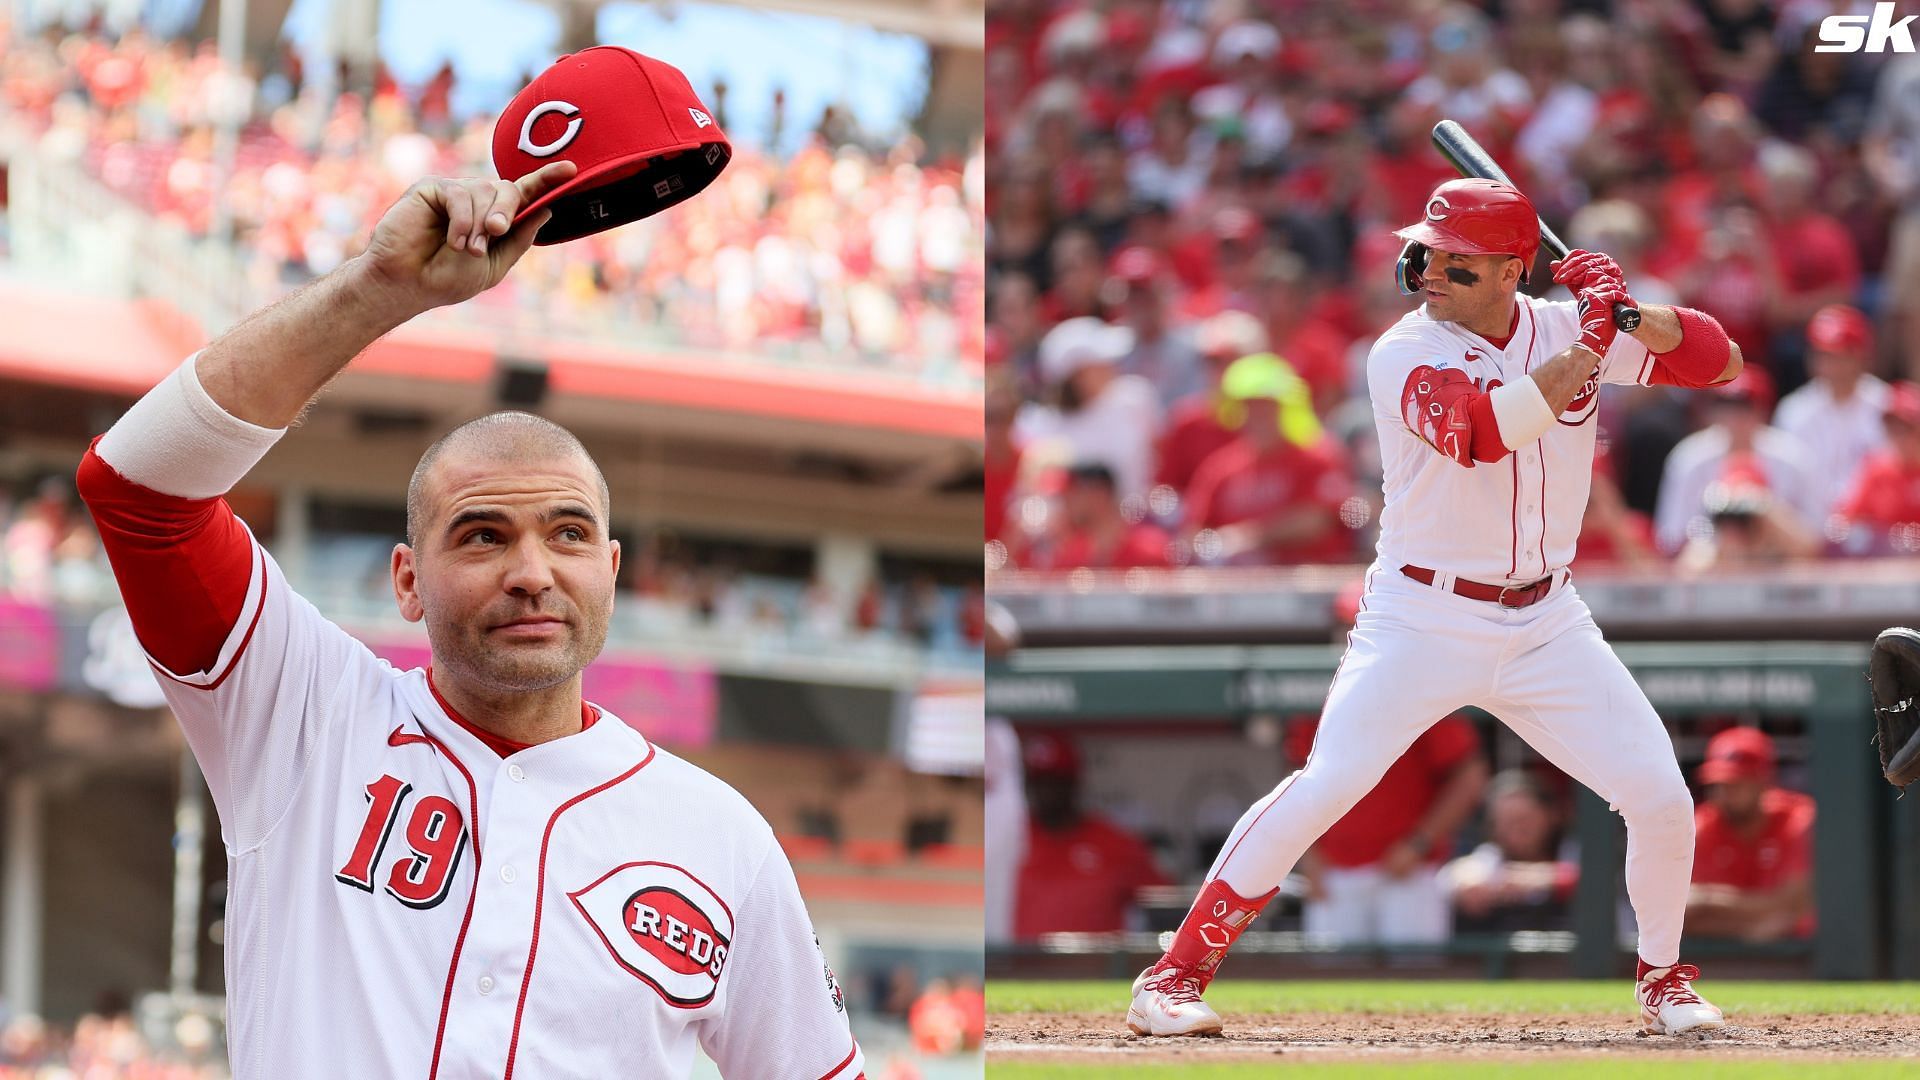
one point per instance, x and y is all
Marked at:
(178, 441)
(1522, 410)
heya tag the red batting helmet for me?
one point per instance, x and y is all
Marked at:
(1470, 217)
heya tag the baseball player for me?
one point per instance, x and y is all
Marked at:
(1484, 399)
(464, 871)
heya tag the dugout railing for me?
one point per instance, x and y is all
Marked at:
(1866, 866)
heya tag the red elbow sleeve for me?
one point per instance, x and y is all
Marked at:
(1700, 357)
(1447, 412)
(182, 565)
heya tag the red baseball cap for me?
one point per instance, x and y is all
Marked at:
(1136, 265)
(1048, 754)
(1740, 753)
(1753, 386)
(1839, 328)
(641, 137)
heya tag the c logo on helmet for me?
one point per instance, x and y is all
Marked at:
(1441, 202)
(549, 149)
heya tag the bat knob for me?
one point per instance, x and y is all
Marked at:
(1626, 319)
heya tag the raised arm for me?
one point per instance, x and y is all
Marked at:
(444, 241)
(154, 481)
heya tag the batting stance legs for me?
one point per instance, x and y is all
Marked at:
(1418, 653)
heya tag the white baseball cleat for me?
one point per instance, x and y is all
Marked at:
(1668, 1004)
(1166, 1001)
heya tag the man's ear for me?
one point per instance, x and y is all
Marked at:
(406, 585)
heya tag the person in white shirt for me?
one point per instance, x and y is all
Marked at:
(1836, 416)
(1100, 415)
(1737, 429)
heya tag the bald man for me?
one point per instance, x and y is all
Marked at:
(466, 870)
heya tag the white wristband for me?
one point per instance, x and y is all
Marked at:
(178, 441)
(1522, 411)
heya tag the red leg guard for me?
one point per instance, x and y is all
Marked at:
(1212, 925)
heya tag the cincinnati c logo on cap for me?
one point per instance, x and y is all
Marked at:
(1435, 205)
(549, 149)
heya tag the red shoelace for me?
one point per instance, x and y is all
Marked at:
(1675, 987)
(1179, 988)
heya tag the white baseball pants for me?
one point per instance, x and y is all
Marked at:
(1418, 653)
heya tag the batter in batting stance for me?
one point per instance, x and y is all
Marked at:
(1484, 399)
(466, 871)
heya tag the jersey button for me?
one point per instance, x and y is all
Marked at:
(517, 773)
(486, 984)
(508, 874)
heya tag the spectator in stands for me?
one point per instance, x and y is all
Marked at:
(1737, 447)
(1467, 80)
(1163, 351)
(1095, 533)
(1206, 421)
(1880, 514)
(1748, 525)
(1314, 347)
(1753, 846)
(43, 533)
(969, 998)
(937, 1022)
(1814, 258)
(1522, 877)
(1264, 498)
(1836, 416)
(1081, 871)
(1099, 415)
(1373, 878)
(1891, 152)
(1611, 531)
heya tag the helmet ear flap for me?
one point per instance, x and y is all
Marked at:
(1412, 269)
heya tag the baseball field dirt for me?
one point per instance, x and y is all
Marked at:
(1077, 1029)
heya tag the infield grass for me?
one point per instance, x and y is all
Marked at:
(1407, 1070)
(1512, 996)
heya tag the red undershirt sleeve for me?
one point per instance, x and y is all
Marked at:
(183, 565)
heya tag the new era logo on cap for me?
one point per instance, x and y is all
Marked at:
(628, 121)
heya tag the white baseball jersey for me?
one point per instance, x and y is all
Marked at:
(405, 902)
(1515, 520)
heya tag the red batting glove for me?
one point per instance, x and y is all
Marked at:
(1581, 269)
(1596, 320)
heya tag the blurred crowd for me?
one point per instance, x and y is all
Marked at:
(1190, 254)
(1439, 848)
(107, 1044)
(845, 253)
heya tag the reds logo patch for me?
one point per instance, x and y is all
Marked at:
(664, 926)
(1585, 403)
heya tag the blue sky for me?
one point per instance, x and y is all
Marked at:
(495, 44)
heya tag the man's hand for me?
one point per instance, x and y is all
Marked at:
(450, 239)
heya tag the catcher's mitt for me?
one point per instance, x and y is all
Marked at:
(1894, 671)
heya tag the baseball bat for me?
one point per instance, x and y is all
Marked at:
(1469, 158)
